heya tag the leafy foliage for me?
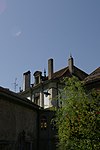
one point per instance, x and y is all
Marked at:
(78, 119)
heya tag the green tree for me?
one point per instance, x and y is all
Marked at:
(78, 119)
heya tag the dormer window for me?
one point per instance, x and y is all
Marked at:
(37, 80)
(38, 76)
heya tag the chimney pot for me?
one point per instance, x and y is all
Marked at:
(26, 80)
(71, 64)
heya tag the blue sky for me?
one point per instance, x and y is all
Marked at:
(32, 31)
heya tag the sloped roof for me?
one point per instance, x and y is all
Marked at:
(60, 73)
(93, 77)
(79, 73)
(66, 73)
(14, 97)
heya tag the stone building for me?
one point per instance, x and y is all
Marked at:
(45, 89)
(26, 120)
(44, 92)
(19, 120)
(23, 124)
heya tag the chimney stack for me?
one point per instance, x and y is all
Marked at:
(50, 68)
(71, 64)
(26, 80)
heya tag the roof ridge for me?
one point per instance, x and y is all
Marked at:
(94, 71)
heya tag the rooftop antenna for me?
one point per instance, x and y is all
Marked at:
(15, 84)
(70, 55)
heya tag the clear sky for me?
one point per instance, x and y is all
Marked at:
(32, 31)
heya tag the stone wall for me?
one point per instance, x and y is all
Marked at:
(47, 130)
(18, 126)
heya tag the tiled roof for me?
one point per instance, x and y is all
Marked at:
(66, 73)
(61, 73)
(93, 77)
(79, 73)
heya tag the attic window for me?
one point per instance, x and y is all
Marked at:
(37, 75)
(37, 80)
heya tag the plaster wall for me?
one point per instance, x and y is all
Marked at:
(16, 119)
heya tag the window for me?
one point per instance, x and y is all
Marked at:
(43, 123)
(53, 124)
(37, 79)
(36, 100)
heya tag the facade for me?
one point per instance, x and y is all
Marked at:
(47, 130)
(45, 89)
(24, 125)
(19, 119)
(26, 120)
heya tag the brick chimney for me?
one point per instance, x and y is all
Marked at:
(50, 68)
(26, 80)
(71, 64)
